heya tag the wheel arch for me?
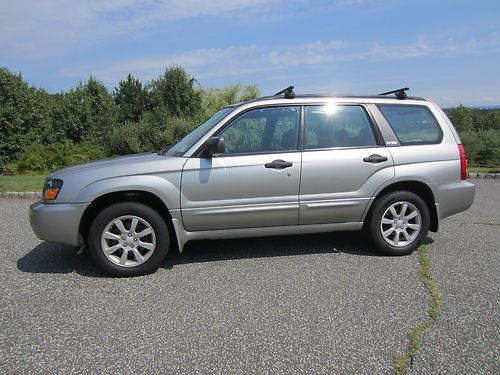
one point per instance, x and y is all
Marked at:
(417, 187)
(108, 199)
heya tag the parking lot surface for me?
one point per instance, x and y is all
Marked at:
(316, 303)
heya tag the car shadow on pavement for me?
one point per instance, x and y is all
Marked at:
(220, 250)
(49, 257)
(56, 258)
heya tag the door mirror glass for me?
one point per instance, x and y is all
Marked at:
(214, 145)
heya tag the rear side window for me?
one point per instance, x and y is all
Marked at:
(413, 124)
(337, 126)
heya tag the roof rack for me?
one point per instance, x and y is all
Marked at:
(289, 93)
(400, 93)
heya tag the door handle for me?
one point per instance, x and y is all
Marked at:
(375, 158)
(278, 164)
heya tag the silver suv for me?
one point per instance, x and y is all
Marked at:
(285, 164)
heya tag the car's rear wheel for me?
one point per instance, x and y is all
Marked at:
(128, 239)
(399, 222)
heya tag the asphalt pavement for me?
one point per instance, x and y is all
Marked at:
(298, 304)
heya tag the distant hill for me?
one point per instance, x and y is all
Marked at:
(487, 107)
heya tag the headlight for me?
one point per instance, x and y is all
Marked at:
(51, 189)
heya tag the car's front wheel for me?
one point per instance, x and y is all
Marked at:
(399, 222)
(128, 239)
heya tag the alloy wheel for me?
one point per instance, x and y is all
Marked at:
(401, 224)
(128, 241)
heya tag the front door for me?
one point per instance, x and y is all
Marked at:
(255, 183)
(342, 164)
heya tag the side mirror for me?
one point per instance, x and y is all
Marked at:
(215, 145)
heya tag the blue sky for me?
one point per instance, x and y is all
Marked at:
(447, 51)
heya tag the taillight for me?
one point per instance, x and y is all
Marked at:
(463, 162)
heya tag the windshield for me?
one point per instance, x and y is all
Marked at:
(189, 140)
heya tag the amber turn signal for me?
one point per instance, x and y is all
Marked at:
(51, 189)
(51, 194)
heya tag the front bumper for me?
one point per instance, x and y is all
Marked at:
(57, 222)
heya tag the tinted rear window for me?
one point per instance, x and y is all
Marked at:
(413, 124)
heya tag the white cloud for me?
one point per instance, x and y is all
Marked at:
(314, 53)
(203, 63)
(250, 60)
(208, 63)
(48, 28)
(34, 28)
(414, 49)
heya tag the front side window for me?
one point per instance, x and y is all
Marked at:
(412, 124)
(337, 126)
(189, 140)
(269, 129)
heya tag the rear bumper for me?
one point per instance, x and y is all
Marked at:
(57, 222)
(453, 197)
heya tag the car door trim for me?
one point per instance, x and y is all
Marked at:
(334, 203)
(203, 211)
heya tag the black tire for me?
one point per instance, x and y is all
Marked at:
(142, 211)
(379, 208)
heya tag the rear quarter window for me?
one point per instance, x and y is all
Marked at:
(412, 124)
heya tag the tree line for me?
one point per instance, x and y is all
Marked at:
(41, 132)
(479, 130)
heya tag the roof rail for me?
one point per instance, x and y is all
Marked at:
(400, 93)
(289, 93)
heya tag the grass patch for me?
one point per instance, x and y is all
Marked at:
(403, 361)
(21, 183)
(483, 169)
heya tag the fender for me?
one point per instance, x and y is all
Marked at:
(407, 173)
(168, 190)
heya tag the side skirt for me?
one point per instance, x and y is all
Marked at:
(184, 236)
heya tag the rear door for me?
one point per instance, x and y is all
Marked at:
(343, 163)
(255, 183)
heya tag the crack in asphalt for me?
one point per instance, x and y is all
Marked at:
(479, 223)
(405, 360)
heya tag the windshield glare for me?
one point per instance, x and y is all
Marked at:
(189, 140)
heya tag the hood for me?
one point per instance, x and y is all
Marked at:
(81, 182)
(108, 163)
(77, 178)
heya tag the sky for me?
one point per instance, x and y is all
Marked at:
(444, 50)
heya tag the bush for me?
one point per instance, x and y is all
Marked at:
(149, 134)
(483, 147)
(42, 159)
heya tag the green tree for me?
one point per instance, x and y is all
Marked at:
(146, 136)
(46, 131)
(483, 147)
(485, 119)
(130, 99)
(88, 113)
(215, 99)
(461, 117)
(23, 115)
(175, 91)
